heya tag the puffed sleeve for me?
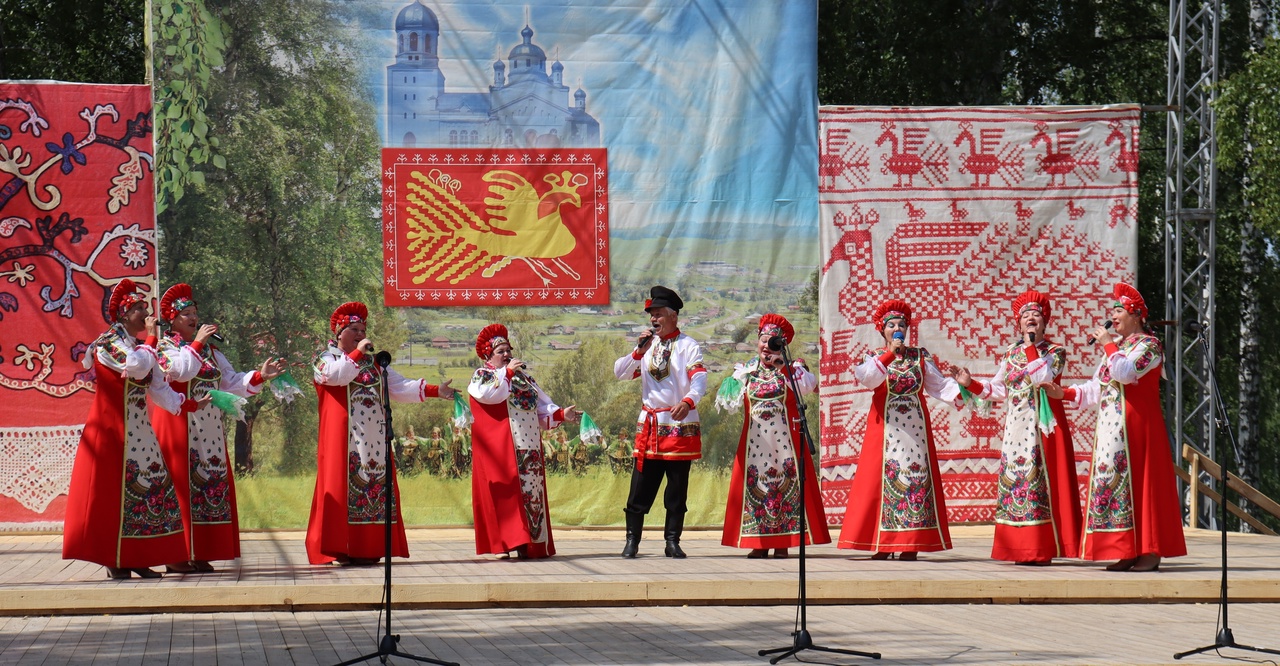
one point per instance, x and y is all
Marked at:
(1127, 367)
(1046, 369)
(549, 413)
(335, 369)
(183, 363)
(235, 383)
(489, 386)
(627, 367)
(1086, 395)
(995, 388)
(697, 375)
(805, 380)
(939, 385)
(164, 396)
(137, 362)
(409, 390)
(871, 372)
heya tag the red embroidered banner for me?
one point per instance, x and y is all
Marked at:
(956, 211)
(77, 214)
(495, 227)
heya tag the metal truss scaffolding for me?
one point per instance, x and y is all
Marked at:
(1191, 217)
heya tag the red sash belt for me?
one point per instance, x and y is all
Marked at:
(647, 440)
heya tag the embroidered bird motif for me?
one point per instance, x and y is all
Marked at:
(450, 241)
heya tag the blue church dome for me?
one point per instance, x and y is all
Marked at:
(528, 50)
(417, 17)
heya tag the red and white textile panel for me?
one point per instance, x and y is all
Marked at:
(77, 214)
(495, 227)
(957, 211)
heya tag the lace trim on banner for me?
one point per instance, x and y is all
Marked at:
(35, 463)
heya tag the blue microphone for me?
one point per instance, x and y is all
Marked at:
(900, 336)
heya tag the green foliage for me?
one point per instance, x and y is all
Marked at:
(970, 52)
(189, 45)
(72, 40)
(289, 229)
(1252, 97)
(1248, 115)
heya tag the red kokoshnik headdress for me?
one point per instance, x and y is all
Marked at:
(775, 324)
(1034, 300)
(347, 314)
(176, 299)
(1130, 299)
(891, 309)
(490, 336)
(124, 296)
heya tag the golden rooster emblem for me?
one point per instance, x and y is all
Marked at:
(447, 240)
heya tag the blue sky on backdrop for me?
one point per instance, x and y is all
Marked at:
(708, 107)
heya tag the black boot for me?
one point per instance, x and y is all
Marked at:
(635, 526)
(674, 527)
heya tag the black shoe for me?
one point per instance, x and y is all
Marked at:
(635, 528)
(674, 527)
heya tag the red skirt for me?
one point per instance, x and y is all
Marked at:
(205, 540)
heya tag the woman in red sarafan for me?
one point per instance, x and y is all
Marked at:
(195, 444)
(352, 471)
(1038, 497)
(895, 503)
(508, 471)
(122, 511)
(763, 509)
(1131, 512)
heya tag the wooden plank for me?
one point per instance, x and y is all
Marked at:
(1231, 506)
(159, 640)
(1234, 482)
(1193, 500)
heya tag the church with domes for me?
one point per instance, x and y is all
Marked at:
(524, 108)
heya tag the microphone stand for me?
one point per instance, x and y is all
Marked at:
(801, 638)
(387, 645)
(1224, 639)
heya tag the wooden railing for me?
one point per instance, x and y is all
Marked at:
(1199, 461)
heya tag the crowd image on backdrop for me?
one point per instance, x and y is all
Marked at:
(152, 484)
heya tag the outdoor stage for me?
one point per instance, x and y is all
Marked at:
(580, 607)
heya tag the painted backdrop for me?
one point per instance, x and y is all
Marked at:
(654, 142)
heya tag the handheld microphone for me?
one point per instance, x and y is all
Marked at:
(776, 343)
(900, 336)
(217, 337)
(644, 339)
(1107, 325)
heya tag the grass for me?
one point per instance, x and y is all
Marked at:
(595, 498)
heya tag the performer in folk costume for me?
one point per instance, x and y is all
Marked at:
(508, 471)
(672, 378)
(348, 509)
(122, 511)
(195, 444)
(1038, 498)
(896, 503)
(763, 509)
(1132, 510)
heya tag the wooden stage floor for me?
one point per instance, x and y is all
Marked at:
(444, 572)
(589, 606)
